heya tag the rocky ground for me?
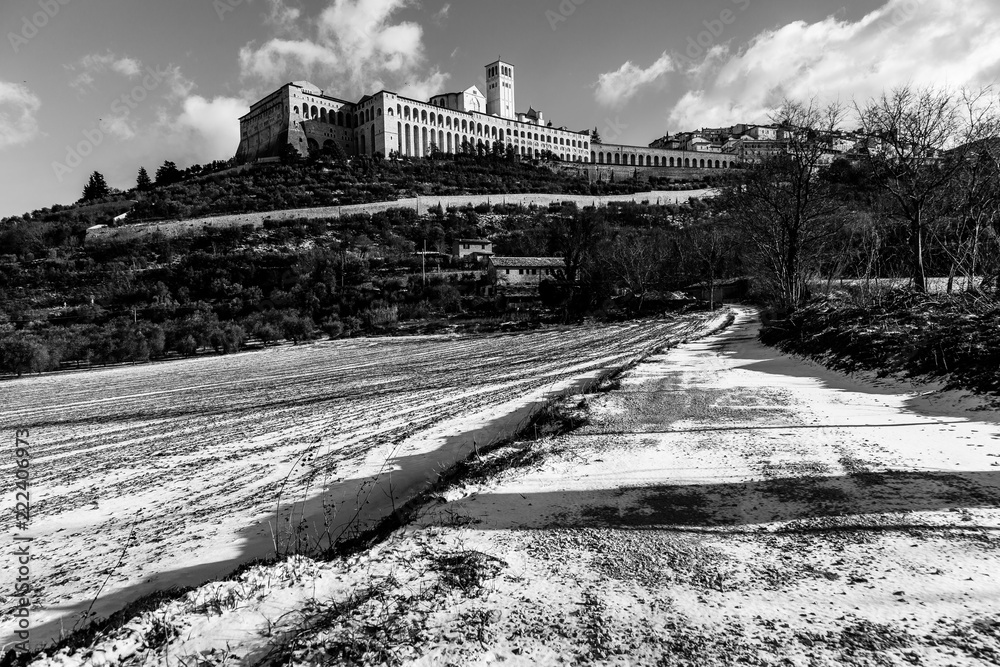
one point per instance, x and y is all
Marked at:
(722, 504)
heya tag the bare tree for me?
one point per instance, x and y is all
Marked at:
(635, 257)
(975, 193)
(917, 141)
(781, 206)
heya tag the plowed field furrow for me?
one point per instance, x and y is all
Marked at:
(192, 455)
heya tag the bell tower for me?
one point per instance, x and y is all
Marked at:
(500, 90)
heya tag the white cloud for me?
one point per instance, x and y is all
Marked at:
(91, 65)
(208, 130)
(615, 89)
(442, 14)
(356, 48)
(921, 42)
(18, 114)
(283, 17)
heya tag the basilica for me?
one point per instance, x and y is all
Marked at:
(306, 118)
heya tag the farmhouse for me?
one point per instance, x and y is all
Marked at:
(524, 271)
(478, 248)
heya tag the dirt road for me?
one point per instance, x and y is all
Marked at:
(725, 505)
(731, 505)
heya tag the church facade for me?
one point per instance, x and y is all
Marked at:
(306, 118)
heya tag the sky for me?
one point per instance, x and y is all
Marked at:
(112, 85)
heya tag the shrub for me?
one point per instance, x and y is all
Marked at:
(333, 327)
(21, 353)
(380, 316)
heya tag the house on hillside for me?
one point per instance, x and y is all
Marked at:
(524, 272)
(478, 249)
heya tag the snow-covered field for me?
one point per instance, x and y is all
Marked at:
(179, 467)
(727, 505)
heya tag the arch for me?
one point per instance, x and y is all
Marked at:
(399, 138)
(633, 160)
(493, 133)
(409, 144)
(702, 164)
(313, 145)
(296, 109)
(586, 145)
(399, 110)
(618, 158)
(593, 156)
(649, 161)
(465, 126)
(378, 113)
(373, 139)
(440, 119)
(406, 112)
(424, 144)
(600, 158)
(440, 142)
(479, 129)
(656, 160)
(423, 116)
(447, 121)
(314, 112)
(687, 162)
(718, 164)
(449, 149)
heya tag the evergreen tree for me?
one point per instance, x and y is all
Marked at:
(595, 137)
(168, 174)
(96, 188)
(143, 183)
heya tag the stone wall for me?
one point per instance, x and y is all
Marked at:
(421, 205)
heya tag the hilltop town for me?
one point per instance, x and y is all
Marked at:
(302, 118)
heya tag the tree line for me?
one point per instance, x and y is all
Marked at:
(919, 197)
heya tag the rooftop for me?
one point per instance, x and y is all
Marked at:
(529, 262)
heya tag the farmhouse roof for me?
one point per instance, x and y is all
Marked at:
(478, 241)
(528, 262)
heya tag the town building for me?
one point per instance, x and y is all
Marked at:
(524, 271)
(476, 248)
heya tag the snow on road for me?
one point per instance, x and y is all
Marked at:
(732, 505)
(192, 457)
